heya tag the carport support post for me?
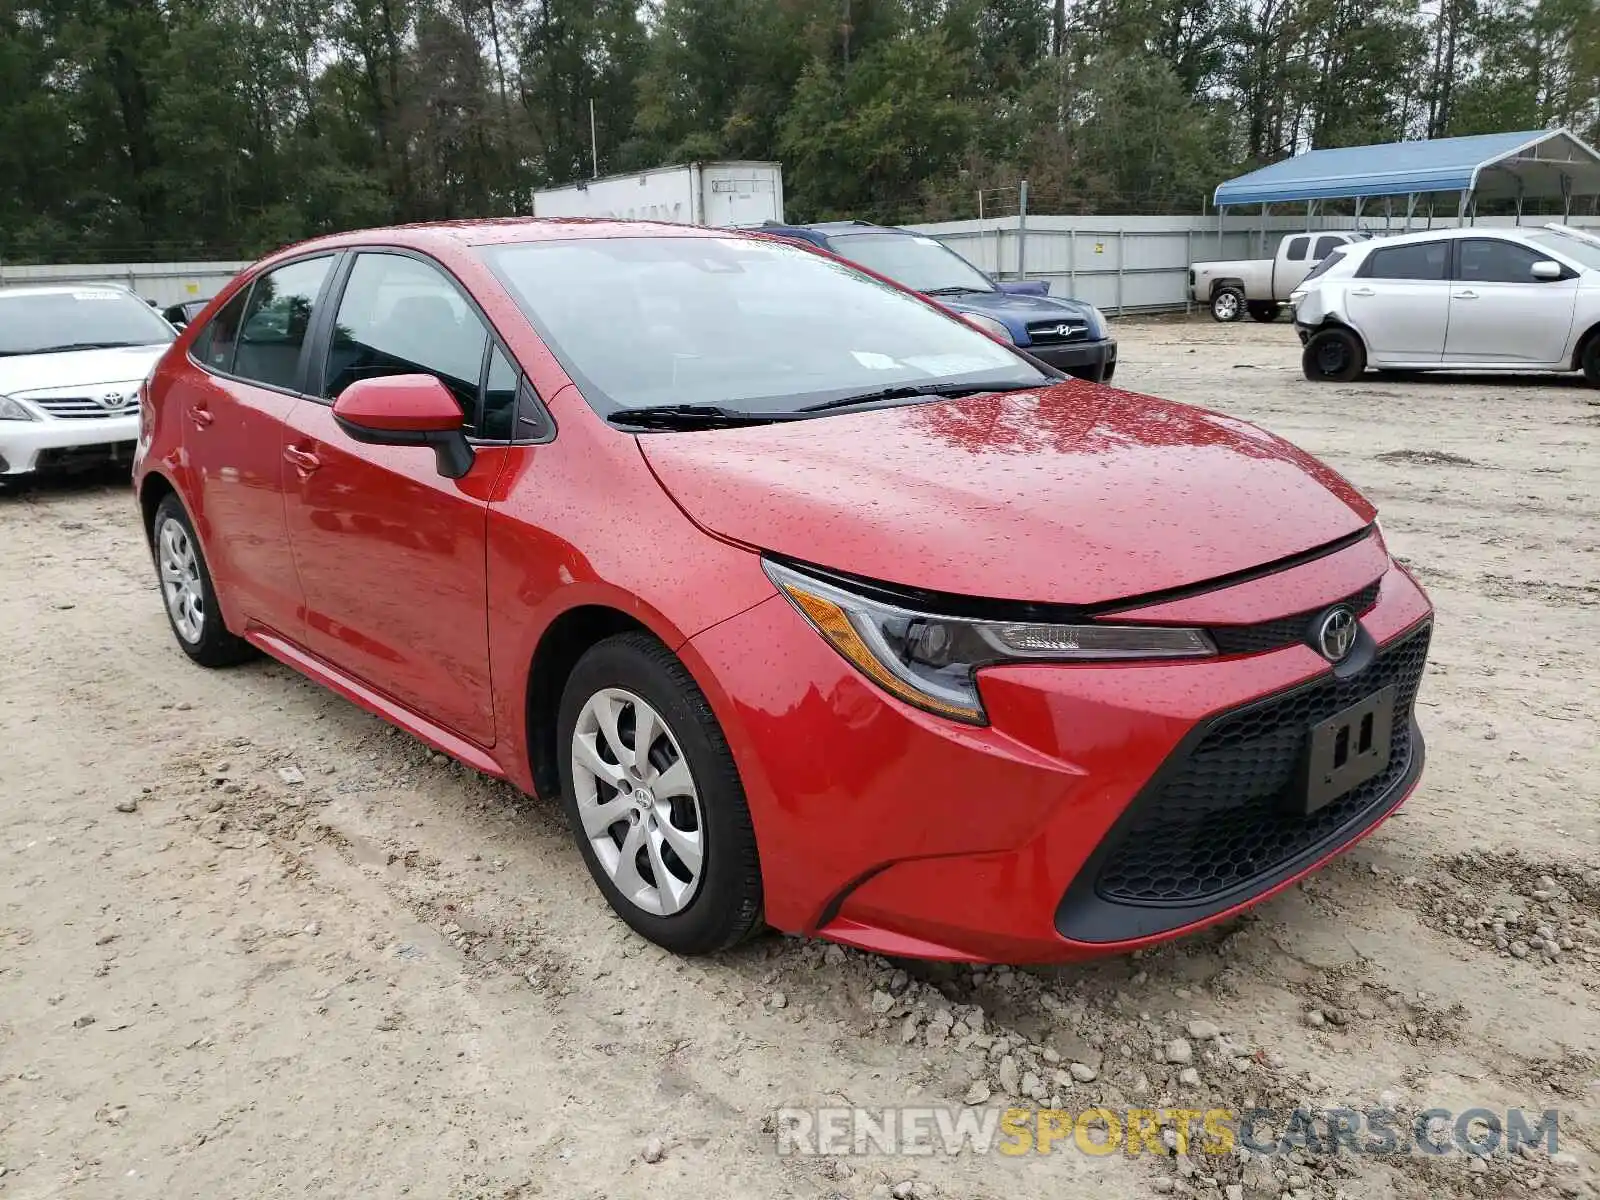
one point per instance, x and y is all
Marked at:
(1566, 199)
(1411, 207)
(1519, 201)
(1022, 230)
(1461, 209)
(1360, 204)
(1222, 211)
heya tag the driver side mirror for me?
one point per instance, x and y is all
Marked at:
(1547, 270)
(406, 410)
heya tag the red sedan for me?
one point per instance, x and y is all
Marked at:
(816, 606)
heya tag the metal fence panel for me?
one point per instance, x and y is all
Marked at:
(1141, 264)
(165, 283)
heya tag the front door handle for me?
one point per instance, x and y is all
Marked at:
(1363, 292)
(200, 415)
(304, 461)
(1466, 295)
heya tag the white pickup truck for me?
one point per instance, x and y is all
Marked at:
(1261, 286)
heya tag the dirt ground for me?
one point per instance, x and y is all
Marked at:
(317, 961)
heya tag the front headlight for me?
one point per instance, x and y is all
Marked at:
(1102, 326)
(989, 325)
(931, 661)
(10, 410)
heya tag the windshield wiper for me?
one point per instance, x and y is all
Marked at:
(83, 346)
(690, 416)
(914, 391)
(955, 291)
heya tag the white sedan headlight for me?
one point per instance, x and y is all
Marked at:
(10, 410)
(931, 661)
(990, 326)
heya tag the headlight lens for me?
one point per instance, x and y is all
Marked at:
(931, 661)
(989, 325)
(1102, 326)
(10, 410)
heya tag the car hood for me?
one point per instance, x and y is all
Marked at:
(1018, 312)
(1072, 494)
(23, 374)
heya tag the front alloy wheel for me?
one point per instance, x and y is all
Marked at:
(654, 798)
(638, 802)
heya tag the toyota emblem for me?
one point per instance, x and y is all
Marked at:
(1336, 634)
(112, 401)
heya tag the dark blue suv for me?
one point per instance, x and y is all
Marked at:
(1068, 334)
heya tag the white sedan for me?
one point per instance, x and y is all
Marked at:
(1470, 299)
(72, 358)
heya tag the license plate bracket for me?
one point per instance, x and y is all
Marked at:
(1346, 750)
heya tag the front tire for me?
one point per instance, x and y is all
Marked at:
(1591, 361)
(1334, 355)
(1227, 304)
(187, 593)
(1263, 312)
(663, 828)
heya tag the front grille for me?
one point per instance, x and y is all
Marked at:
(1216, 818)
(1283, 631)
(76, 407)
(1056, 333)
(77, 458)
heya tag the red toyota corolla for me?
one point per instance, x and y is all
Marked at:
(815, 605)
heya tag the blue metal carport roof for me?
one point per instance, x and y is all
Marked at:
(1498, 163)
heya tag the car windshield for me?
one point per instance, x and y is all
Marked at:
(88, 319)
(911, 260)
(1576, 248)
(744, 324)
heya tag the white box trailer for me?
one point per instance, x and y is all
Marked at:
(729, 195)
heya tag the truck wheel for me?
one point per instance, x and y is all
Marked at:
(1261, 310)
(1334, 354)
(1227, 304)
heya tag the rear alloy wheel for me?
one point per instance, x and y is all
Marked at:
(187, 592)
(1264, 312)
(1335, 355)
(1227, 304)
(654, 798)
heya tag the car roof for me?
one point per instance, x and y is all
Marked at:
(62, 289)
(502, 230)
(1517, 233)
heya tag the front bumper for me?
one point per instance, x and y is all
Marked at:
(54, 445)
(1094, 361)
(1037, 838)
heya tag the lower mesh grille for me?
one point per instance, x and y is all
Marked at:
(1217, 818)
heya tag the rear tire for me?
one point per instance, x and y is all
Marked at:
(1227, 304)
(187, 593)
(1264, 312)
(1334, 355)
(1591, 361)
(680, 863)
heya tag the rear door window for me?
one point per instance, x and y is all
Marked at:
(276, 322)
(1420, 260)
(215, 345)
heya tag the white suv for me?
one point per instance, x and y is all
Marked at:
(1477, 299)
(72, 358)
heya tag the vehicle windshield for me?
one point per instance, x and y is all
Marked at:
(1576, 248)
(919, 263)
(89, 319)
(747, 325)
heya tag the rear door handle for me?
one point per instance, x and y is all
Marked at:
(1363, 292)
(200, 415)
(304, 461)
(1466, 295)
